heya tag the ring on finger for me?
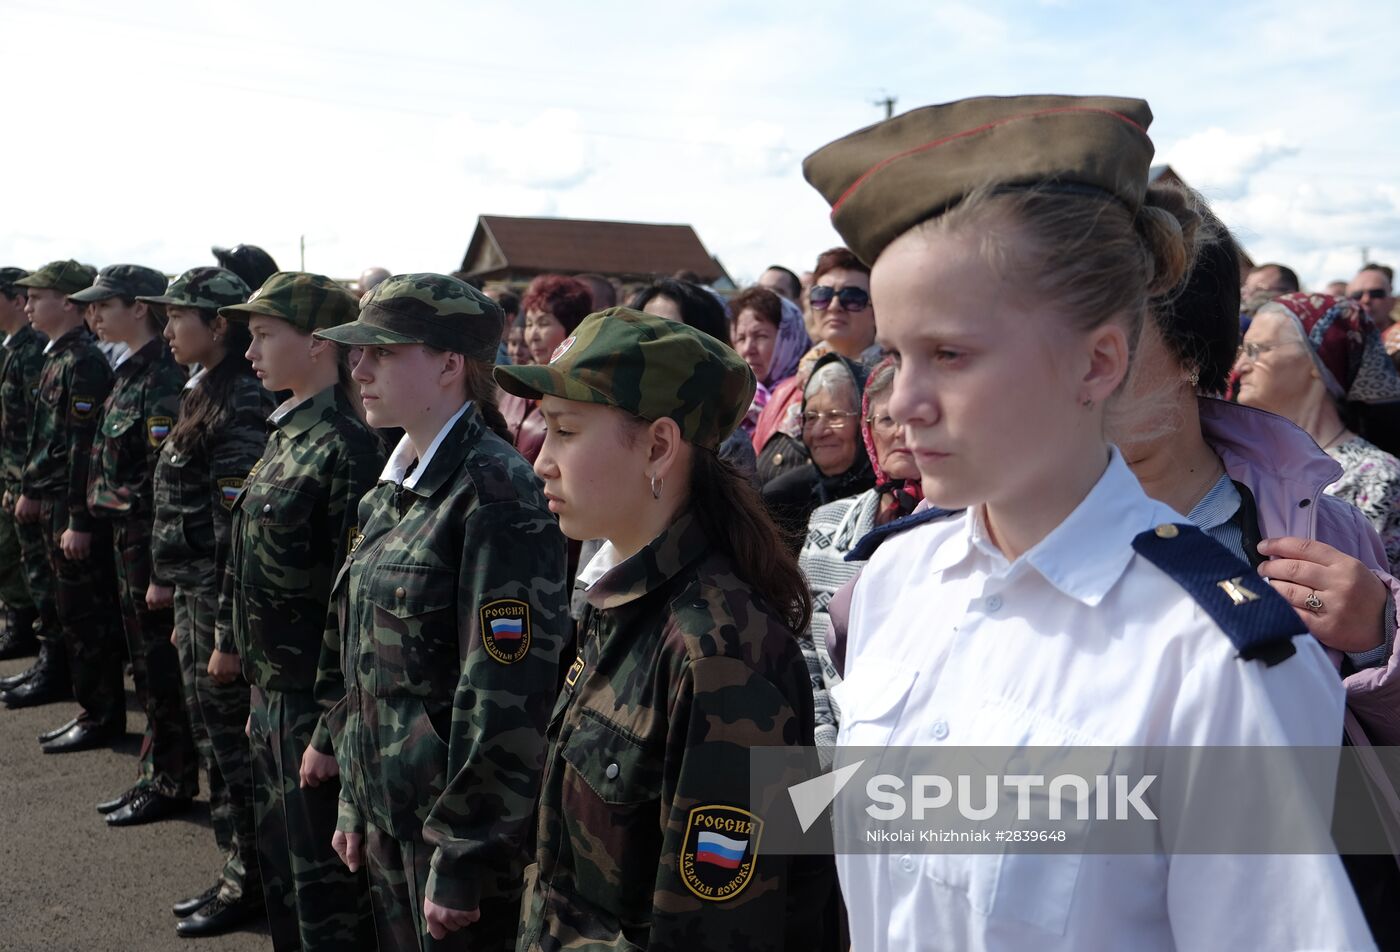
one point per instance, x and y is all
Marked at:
(1313, 602)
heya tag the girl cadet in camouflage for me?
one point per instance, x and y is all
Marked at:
(292, 528)
(647, 838)
(453, 611)
(218, 436)
(133, 424)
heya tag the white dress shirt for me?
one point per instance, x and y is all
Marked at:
(1079, 642)
(396, 470)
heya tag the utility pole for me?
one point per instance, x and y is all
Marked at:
(1365, 255)
(303, 252)
(888, 102)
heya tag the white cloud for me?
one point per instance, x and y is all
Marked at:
(1221, 164)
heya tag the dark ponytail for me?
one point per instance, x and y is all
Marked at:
(207, 407)
(732, 515)
(481, 391)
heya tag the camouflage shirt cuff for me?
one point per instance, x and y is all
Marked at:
(321, 740)
(348, 819)
(79, 520)
(453, 892)
(224, 642)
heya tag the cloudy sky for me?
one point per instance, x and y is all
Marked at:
(148, 131)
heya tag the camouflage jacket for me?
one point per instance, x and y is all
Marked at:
(454, 612)
(646, 837)
(292, 528)
(74, 383)
(137, 417)
(195, 488)
(21, 363)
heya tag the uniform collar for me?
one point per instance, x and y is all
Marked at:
(1084, 555)
(12, 341)
(434, 467)
(301, 418)
(67, 340)
(658, 562)
(135, 360)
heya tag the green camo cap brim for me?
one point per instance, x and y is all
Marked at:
(357, 334)
(245, 312)
(97, 292)
(537, 380)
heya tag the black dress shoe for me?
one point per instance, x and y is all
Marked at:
(218, 917)
(82, 736)
(15, 680)
(188, 907)
(147, 806)
(117, 802)
(44, 687)
(64, 728)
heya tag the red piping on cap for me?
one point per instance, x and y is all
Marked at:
(971, 132)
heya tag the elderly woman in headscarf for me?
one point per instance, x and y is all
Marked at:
(1319, 361)
(768, 332)
(837, 526)
(830, 426)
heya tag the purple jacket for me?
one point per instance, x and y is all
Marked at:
(1287, 473)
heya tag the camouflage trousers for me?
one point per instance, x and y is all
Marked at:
(14, 586)
(85, 599)
(398, 882)
(38, 575)
(218, 715)
(168, 759)
(313, 902)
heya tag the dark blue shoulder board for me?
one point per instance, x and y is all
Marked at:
(1256, 619)
(872, 540)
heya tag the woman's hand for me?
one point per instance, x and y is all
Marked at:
(159, 596)
(27, 510)
(224, 667)
(75, 545)
(317, 768)
(350, 848)
(1352, 599)
(442, 920)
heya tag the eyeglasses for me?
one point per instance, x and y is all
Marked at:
(850, 299)
(884, 424)
(836, 419)
(1252, 350)
(1371, 294)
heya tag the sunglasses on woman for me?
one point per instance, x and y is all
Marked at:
(850, 298)
(1370, 294)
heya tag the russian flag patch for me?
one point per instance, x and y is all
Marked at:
(505, 629)
(720, 851)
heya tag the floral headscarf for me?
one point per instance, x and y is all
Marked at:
(898, 495)
(1345, 346)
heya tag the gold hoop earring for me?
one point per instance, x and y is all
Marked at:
(656, 486)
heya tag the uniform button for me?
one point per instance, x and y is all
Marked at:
(994, 603)
(401, 592)
(612, 771)
(777, 459)
(267, 507)
(907, 862)
(1167, 531)
(940, 730)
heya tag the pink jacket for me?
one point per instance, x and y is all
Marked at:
(1287, 473)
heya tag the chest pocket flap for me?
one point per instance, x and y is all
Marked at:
(612, 765)
(408, 590)
(272, 505)
(117, 422)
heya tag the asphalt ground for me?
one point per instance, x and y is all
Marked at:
(68, 882)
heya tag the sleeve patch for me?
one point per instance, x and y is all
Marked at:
(720, 851)
(505, 629)
(158, 428)
(229, 490)
(82, 408)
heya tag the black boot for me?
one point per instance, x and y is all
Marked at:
(221, 916)
(47, 683)
(18, 638)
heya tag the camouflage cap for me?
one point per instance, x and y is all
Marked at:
(648, 366)
(121, 280)
(209, 288)
(8, 277)
(65, 276)
(886, 178)
(308, 302)
(431, 309)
